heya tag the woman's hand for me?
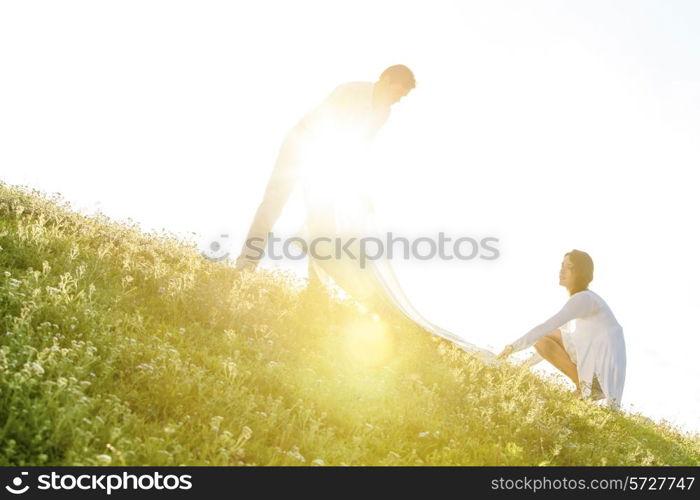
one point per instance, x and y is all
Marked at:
(507, 351)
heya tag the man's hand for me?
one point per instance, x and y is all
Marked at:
(243, 264)
(507, 351)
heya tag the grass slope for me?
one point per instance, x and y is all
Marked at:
(124, 348)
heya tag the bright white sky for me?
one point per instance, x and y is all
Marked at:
(551, 125)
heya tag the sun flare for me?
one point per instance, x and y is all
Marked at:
(369, 342)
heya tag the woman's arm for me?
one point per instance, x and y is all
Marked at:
(579, 305)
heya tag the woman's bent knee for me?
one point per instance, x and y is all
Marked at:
(542, 347)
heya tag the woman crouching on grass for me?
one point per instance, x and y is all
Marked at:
(583, 340)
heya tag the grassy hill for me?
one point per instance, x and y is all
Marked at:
(124, 348)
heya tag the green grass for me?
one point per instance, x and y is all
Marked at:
(124, 348)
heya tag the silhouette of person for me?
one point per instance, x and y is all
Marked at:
(355, 110)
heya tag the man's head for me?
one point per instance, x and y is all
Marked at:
(394, 83)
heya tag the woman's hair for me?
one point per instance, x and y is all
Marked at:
(583, 270)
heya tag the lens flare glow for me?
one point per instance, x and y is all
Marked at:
(369, 342)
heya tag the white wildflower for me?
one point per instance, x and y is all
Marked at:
(147, 367)
(230, 368)
(246, 433)
(215, 423)
(296, 455)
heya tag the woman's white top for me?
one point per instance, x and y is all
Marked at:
(594, 340)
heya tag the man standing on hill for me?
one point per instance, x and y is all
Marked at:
(350, 116)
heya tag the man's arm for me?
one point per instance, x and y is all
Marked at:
(284, 175)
